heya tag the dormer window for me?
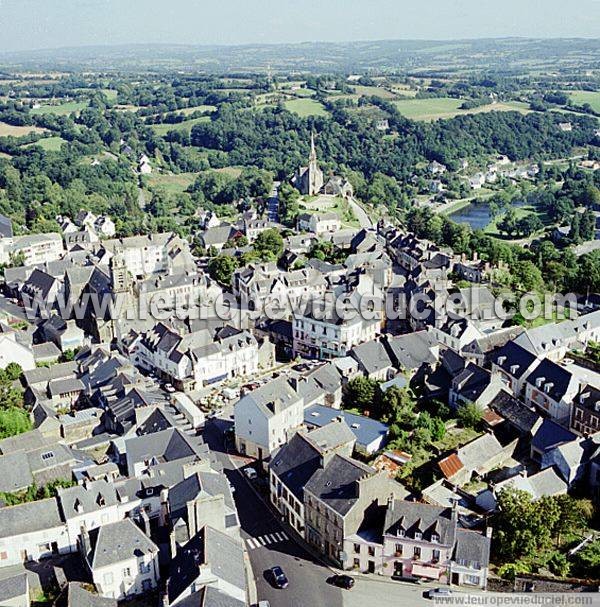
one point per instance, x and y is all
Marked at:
(418, 535)
(435, 538)
(400, 532)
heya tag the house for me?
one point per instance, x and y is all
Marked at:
(31, 531)
(144, 166)
(546, 436)
(585, 411)
(478, 457)
(293, 465)
(436, 168)
(513, 363)
(13, 351)
(216, 237)
(336, 500)
(267, 417)
(14, 589)
(338, 186)
(551, 388)
(474, 385)
(373, 360)
(210, 560)
(65, 334)
(77, 594)
(121, 558)
(40, 287)
(410, 352)
(318, 223)
(35, 248)
(572, 459)
(370, 433)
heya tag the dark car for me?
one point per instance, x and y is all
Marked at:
(278, 578)
(342, 581)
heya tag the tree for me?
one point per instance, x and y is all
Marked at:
(526, 276)
(269, 245)
(13, 421)
(529, 224)
(221, 268)
(361, 393)
(509, 223)
(469, 415)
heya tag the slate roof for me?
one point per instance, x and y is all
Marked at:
(372, 355)
(273, 397)
(117, 542)
(549, 435)
(514, 359)
(555, 379)
(366, 429)
(514, 411)
(86, 498)
(336, 483)
(412, 350)
(45, 374)
(13, 586)
(295, 463)
(472, 547)
(223, 554)
(428, 520)
(29, 517)
(75, 595)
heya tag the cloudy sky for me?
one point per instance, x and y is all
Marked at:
(35, 24)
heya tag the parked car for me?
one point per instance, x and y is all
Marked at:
(278, 577)
(250, 474)
(264, 604)
(342, 581)
(435, 592)
(169, 388)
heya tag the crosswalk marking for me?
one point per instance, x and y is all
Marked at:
(266, 540)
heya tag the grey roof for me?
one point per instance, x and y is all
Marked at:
(46, 350)
(86, 498)
(23, 442)
(473, 547)
(117, 542)
(336, 484)
(273, 397)
(213, 597)
(15, 473)
(295, 463)
(428, 520)
(45, 374)
(223, 554)
(29, 517)
(66, 385)
(76, 595)
(167, 445)
(372, 356)
(412, 350)
(332, 435)
(13, 586)
(514, 411)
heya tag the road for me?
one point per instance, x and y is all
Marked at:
(268, 544)
(360, 214)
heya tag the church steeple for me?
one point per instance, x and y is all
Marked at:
(313, 149)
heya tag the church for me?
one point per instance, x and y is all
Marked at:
(309, 179)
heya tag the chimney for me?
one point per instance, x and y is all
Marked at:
(164, 599)
(84, 539)
(488, 532)
(145, 521)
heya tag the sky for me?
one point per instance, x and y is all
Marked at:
(39, 24)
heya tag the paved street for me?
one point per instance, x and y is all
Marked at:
(361, 215)
(268, 544)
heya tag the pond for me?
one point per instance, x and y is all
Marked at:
(477, 215)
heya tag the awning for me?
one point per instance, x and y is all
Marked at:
(433, 573)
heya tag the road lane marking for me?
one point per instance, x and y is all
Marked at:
(279, 537)
(250, 542)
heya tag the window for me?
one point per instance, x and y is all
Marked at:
(356, 563)
(47, 455)
(435, 556)
(435, 538)
(398, 550)
(418, 535)
(127, 572)
(371, 551)
(144, 567)
(3, 555)
(417, 552)
(108, 578)
(357, 548)
(473, 580)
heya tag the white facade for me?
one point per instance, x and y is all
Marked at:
(11, 351)
(36, 248)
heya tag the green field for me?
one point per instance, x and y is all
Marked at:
(197, 108)
(9, 130)
(447, 107)
(111, 94)
(305, 107)
(63, 109)
(186, 125)
(373, 90)
(591, 97)
(49, 144)
(173, 184)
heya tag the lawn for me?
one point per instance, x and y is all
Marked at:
(305, 107)
(163, 128)
(49, 144)
(447, 107)
(335, 204)
(62, 109)
(8, 130)
(111, 94)
(172, 184)
(373, 90)
(591, 97)
(197, 108)
(520, 212)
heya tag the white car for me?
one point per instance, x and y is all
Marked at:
(435, 592)
(169, 388)
(250, 474)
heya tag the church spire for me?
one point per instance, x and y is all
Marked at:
(313, 150)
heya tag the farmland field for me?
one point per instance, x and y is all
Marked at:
(591, 97)
(305, 107)
(447, 107)
(173, 184)
(63, 109)
(49, 144)
(186, 125)
(8, 130)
